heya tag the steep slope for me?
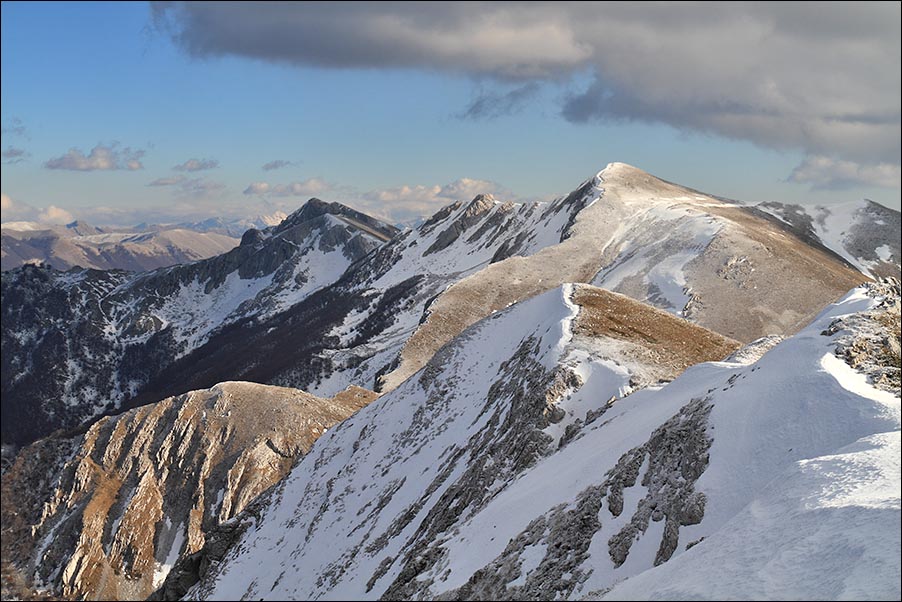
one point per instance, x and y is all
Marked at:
(81, 245)
(718, 264)
(866, 234)
(105, 514)
(78, 343)
(513, 467)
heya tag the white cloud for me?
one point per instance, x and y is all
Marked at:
(101, 158)
(14, 155)
(16, 211)
(309, 187)
(55, 215)
(828, 173)
(411, 201)
(190, 187)
(170, 181)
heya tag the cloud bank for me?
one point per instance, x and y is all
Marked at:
(15, 211)
(820, 78)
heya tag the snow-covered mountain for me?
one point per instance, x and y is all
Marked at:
(332, 297)
(106, 513)
(520, 464)
(548, 427)
(80, 244)
(80, 343)
(865, 233)
(234, 227)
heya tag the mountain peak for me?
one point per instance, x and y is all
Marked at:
(315, 208)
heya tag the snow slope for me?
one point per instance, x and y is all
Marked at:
(864, 233)
(460, 484)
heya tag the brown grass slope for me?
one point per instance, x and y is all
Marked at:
(649, 336)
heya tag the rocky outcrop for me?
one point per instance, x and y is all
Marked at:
(675, 456)
(871, 341)
(138, 491)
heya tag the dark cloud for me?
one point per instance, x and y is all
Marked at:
(457, 36)
(277, 164)
(101, 158)
(14, 155)
(490, 105)
(822, 78)
(197, 165)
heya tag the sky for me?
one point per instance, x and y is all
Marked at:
(119, 113)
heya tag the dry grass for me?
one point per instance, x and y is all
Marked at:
(677, 342)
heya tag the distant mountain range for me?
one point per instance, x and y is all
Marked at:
(81, 245)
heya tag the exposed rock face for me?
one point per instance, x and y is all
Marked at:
(128, 498)
(871, 341)
(675, 455)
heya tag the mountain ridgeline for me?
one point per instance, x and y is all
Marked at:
(331, 297)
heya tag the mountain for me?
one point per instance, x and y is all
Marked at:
(83, 245)
(332, 297)
(234, 227)
(866, 234)
(80, 343)
(519, 463)
(718, 264)
(104, 514)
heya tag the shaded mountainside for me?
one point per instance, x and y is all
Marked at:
(519, 463)
(105, 514)
(79, 343)
(332, 297)
(80, 245)
(866, 234)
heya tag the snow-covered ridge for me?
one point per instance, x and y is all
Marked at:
(696, 256)
(670, 476)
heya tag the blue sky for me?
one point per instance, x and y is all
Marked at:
(400, 124)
